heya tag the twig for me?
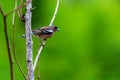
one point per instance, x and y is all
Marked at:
(13, 17)
(29, 42)
(7, 39)
(7, 43)
(43, 43)
(37, 57)
(38, 77)
(14, 53)
(16, 9)
(55, 13)
(1, 10)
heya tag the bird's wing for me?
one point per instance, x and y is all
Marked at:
(47, 31)
(37, 31)
(41, 31)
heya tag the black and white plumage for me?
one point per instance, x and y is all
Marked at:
(45, 32)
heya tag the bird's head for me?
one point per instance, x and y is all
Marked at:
(55, 28)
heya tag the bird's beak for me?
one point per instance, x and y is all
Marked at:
(58, 29)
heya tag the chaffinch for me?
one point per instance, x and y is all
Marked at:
(45, 32)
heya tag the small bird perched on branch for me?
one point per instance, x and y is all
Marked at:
(45, 32)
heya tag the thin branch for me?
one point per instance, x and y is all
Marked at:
(13, 17)
(38, 77)
(1, 10)
(8, 47)
(55, 13)
(37, 57)
(7, 43)
(29, 42)
(7, 39)
(14, 53)
(43, 43)
(16, 9)
(19, 11)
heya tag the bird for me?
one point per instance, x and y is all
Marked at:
(45, 32)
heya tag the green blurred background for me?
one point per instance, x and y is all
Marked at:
(87, 47)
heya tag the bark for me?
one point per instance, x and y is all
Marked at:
(29, 41)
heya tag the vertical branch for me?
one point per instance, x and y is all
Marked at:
(38, 77)
(8, 47)
(7, 38)
(7, 43)
(29, 42)
(13, 45)
(13, 17)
